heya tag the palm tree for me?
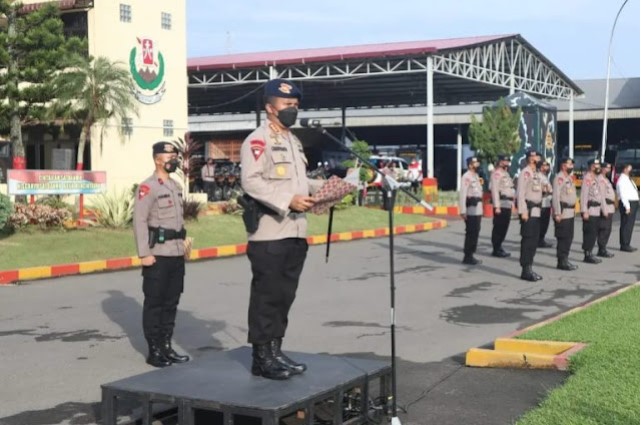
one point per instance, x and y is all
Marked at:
(94, 91)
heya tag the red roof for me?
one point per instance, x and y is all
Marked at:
(61, 4)
(326, 54)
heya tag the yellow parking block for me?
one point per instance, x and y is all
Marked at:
(535, 347)
(34, 273)
(227, 250)
(92, 266)
(480, 357)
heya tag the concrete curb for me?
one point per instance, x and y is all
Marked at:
(533, 354)
(449, 211)
(45, 272)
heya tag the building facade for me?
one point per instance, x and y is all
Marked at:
(148, 38)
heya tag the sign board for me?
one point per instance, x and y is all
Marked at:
(55, 182)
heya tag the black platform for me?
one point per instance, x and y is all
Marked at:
(222, 382)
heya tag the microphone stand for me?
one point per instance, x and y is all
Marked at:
(391, 186)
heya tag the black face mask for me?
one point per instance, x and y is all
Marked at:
(287, 116)
(597, 171)
(570, 170)
(171, 165)
(539, 164)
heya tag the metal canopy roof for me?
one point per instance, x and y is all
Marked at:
(466, 70)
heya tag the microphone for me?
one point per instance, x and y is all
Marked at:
(310, 123)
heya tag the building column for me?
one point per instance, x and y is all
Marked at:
(430, 117)
(571, 126)
(459, 157)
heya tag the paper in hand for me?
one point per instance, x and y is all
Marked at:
(330, 194)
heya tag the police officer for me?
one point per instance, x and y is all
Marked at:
(471, 206)
(605, 221)
(592, 207)
(502, 188)
(274, 174)
(563, 202)
(529, 197)
(159, 233)
(546, 204)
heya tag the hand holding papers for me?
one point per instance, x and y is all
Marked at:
(331, 194)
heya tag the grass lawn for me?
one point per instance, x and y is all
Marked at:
(58, 247)
(604, 385)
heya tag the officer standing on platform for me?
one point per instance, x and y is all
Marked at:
(529, 197)
(471, 206)
(274, 174)
(546, 204)
(605, 221)
(160, 241)
(563, 202)
(592, 207)
(502, 188)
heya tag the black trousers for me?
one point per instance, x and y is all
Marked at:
(529, 240)
(564, 232)
(545, 222)
(162, 284)
(209, 189)
(500, 222)
(605, 228)
(276, 267)
(472, 230)
(590, 231)
(627, 223)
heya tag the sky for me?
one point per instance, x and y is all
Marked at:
(573, 34)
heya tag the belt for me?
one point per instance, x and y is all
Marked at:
(472, 201)
(162, 235)
(506, 198)
(532, 204)
(567, 206)
(609, 201)
(594, 204)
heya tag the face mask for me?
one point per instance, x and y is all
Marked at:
(171, 165)
(570, 170)
(539, 164)
(597, 171)
(287, 116)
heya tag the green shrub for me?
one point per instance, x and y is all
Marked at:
(113, 209)
(191, 209)
(6, 208)
(41, 216)
(55, 201)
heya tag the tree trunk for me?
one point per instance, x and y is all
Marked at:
(19, 161)
(84, 137)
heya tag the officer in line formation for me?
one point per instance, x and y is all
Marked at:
(537, 200)
(160, 241)
(471, 209)
(274, 175)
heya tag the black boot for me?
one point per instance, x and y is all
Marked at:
(528, 274)
(545, 244)
(296, 368)
(589, 258)
(265, 364)
(500, 253)
(170, 353)
(156, 357)
(572, 266)
(603, 252)
(470, 260)
(562, 264)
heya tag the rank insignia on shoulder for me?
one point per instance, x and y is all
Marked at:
(143, 191)
(257, 148)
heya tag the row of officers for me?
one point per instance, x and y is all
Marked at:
(538, 200)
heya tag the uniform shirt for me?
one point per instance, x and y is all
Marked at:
(547, 191)
(627, 190)
(471, 188)
(158, 204)
(605, 186)
(530, 189)
(591, 192)
(274, 169)
(207, 173)
(502, 185)
(563, 191)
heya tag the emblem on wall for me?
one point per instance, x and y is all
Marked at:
(147, 67)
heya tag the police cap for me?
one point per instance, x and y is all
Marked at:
(164, 147)
(282, 88)
(566, 159)
(532, 153)
(595, 161)
(504, 157)
(472, 159)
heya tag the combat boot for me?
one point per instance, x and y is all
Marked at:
(156, 357)
(528, 274)
(470, 260)
(265, 364)
(564, 264)
(545, 244)
(589, 258)
(170, 353)
(283, 359)
(603, 252)
(500, 253)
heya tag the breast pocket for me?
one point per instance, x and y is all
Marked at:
(166, 208)
(281, 165)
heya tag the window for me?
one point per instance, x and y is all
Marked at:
(165, 20)
(127, 126)
(125, 12)
(168, 128)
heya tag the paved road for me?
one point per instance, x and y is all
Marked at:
(60, 339)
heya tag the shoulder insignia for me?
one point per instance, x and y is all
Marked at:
(143, 190)
(561, 179)
(257, 147)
